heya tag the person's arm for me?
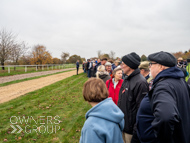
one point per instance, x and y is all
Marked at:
(90, 136)
(165, 112)
(140, 91)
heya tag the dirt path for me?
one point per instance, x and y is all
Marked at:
(15, 90)
(28, 75)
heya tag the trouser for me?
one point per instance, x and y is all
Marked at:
(89, 73)
(77, 70)
(127, 137)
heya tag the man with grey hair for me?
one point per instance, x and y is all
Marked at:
(164, 114)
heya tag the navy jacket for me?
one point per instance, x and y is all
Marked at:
(77, 64)
(167, 116)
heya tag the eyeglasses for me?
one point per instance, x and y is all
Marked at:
(150, 64)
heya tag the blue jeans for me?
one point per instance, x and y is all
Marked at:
(89, 73)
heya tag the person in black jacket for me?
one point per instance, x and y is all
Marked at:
(164, 114)
(132, 91)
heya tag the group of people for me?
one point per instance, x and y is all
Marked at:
(149, 102)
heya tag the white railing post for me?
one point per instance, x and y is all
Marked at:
(42, 67)
(8, 69)
(25, 68)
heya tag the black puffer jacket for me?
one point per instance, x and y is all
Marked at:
(132, 91)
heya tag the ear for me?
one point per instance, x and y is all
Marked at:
(163, 67)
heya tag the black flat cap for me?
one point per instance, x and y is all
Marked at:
(163, 58)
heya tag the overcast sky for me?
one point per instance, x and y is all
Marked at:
(83, 27)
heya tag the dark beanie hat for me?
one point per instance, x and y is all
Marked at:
(163, 58)
(132, 60)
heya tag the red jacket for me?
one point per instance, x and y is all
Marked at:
(114, 93)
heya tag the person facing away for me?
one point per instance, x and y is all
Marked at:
(104, 121)
(77, 66)
(132, 91)
(102, 73)
(114, 84)
(164, 114)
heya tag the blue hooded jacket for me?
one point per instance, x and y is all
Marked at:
(164, 114)
(104, 124)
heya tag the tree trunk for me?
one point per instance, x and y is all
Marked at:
(2, 64)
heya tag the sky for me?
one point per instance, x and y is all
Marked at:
(84, 27)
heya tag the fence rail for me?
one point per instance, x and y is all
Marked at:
(9, 68)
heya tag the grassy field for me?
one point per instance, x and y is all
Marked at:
(55, 113)
(21, 70)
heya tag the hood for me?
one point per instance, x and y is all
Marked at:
(107, 110)
(172, 72)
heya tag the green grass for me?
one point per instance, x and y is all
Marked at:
(21, 70)
(63, 99)
(17, 81)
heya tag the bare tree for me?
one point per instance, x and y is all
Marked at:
(112, 55)
(64, 57)
(17, 51)
(7, 42)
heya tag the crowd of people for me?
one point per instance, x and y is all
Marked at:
(137, 102)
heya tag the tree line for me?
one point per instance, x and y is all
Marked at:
(14, 52)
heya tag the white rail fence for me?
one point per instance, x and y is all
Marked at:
(42, 67)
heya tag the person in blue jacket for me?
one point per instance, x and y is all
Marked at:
(77, 66)
(164, 113)
(104, 121)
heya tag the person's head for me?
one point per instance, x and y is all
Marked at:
(103, 61)
(144, 68)
(111, 61)
(77, 60)
(101, 70)
(95, 90)
(117, 63)
(160, 61)
(117, 73)
(94, 64)
(130, 62)
(99, 60)
(108, 66)
(180, 61)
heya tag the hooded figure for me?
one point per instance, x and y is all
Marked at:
(104, 121)
(102, 73)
